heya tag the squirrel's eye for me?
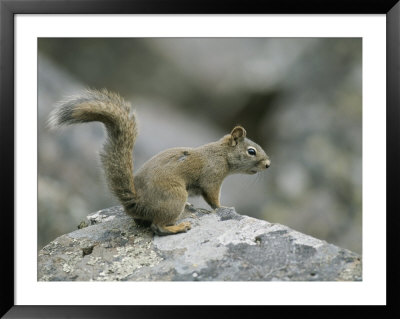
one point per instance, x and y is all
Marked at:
(251, 151)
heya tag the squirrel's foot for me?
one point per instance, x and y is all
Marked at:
(184, 226)
(169, 230)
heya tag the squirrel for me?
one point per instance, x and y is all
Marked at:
(157, 194)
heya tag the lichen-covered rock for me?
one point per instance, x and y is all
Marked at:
(221, 245)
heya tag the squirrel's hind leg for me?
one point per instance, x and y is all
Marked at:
(166, 212)
(170, 230)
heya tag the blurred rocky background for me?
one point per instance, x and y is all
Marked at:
(299, 98)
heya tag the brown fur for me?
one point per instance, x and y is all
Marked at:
(158, 192)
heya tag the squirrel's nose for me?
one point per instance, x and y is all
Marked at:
(268, 164)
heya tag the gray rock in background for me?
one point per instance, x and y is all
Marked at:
(221, 246)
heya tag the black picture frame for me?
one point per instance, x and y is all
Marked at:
(8, 10)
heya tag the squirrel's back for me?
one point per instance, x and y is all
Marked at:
(116, 155)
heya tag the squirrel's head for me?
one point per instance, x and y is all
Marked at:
(245, 156)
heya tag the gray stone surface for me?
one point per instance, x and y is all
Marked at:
(221, 246)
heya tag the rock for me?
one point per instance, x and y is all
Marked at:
(221, 246)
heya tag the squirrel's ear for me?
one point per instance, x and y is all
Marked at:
(238, 134)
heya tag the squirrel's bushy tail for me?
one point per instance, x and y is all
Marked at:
(116, 155)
